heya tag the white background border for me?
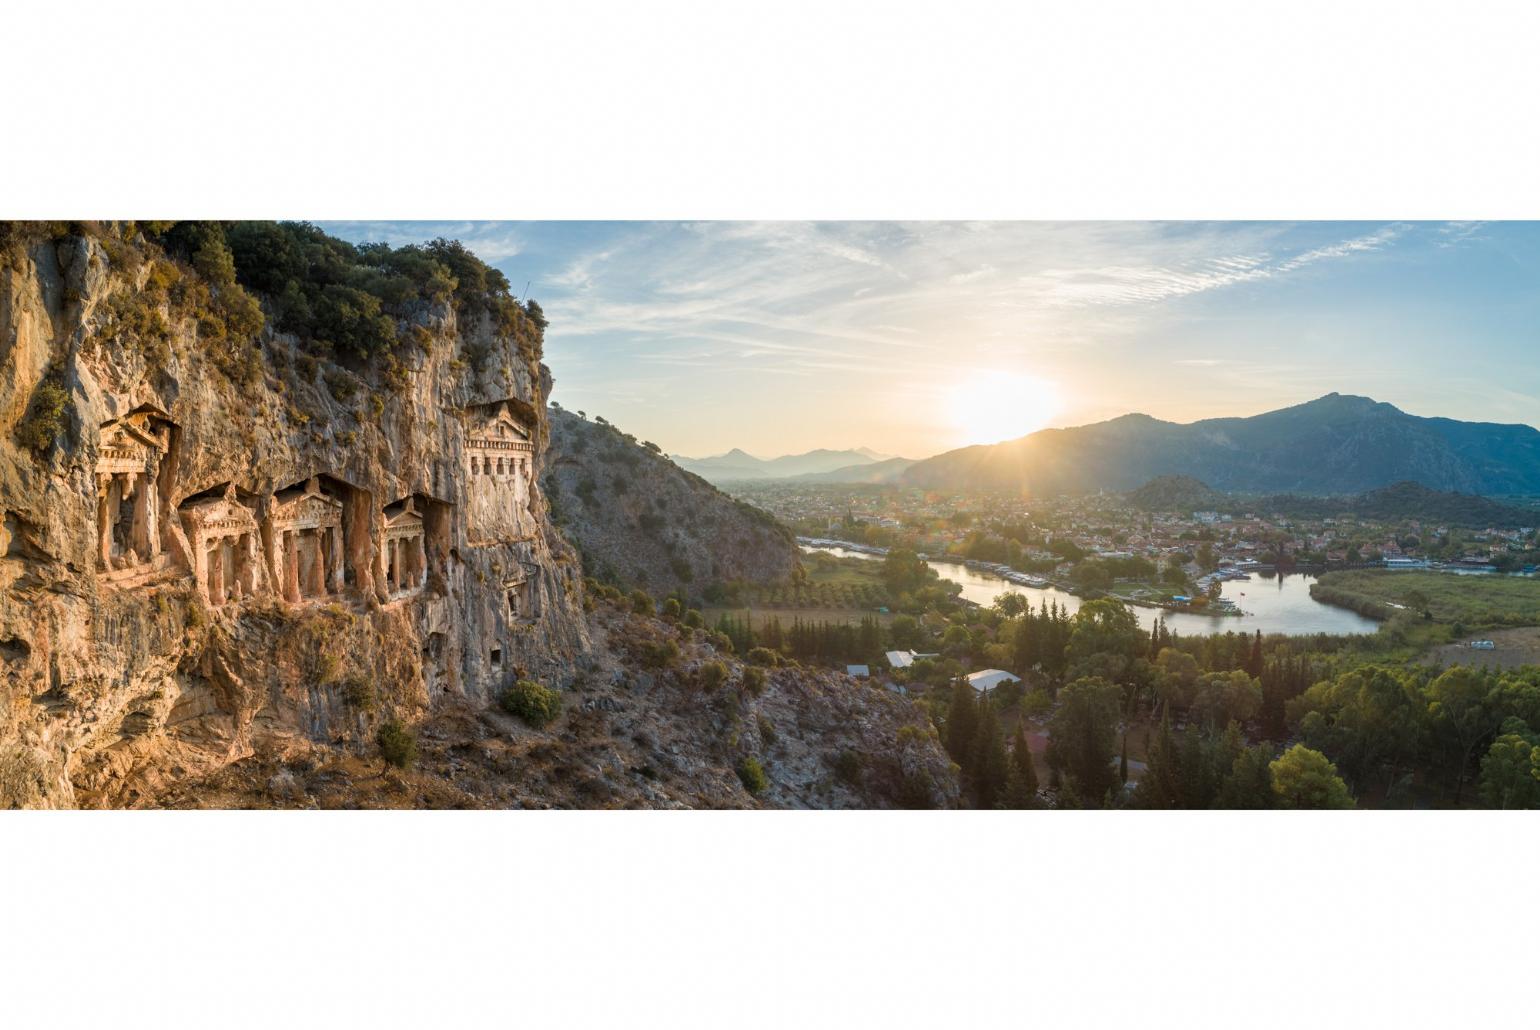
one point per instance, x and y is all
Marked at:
(703, 110)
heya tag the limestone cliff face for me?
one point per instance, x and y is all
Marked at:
(642, 521)
(200, 565)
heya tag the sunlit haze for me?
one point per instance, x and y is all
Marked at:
(915, 338)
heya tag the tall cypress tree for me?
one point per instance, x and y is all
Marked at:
(961, 724)
(988, 761)
(1021, 785)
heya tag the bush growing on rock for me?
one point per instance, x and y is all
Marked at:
(660, 654)
(754, 680)
(712, 675)
(847, 766)
(671, 608)
(641, 602)
(694, 619)
(535, 704)
(358, 692)
(752, 774)
(45, 417)
(398, 744)
(764, 656)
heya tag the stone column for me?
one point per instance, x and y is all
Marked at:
(315, 565)
(335, 533)
(152, 514)
(290, 587)
(421, 577)
(216, 572)
(114, 506)
(103, 521)
(250, 561)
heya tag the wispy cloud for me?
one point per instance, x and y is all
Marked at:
(678, 324)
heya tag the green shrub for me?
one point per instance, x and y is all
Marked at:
(754, 680)
(712, 675)
(641, 602)
(44, 420)
(753, 776)
(847, 766)
(358, 692)
(398, 744)
(537, 705)
(764, 656)
(660, 655)
(694, 619)
(671, 608)
(767, 731)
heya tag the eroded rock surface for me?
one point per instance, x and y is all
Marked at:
(201, 565)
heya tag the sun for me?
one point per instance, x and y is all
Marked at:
(988, 406)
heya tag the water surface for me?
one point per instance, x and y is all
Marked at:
(1273, 603)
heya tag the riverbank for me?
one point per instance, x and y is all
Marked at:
(1472, 601)
(1273, 603)
(1221, 609)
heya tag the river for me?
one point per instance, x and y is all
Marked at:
(1273, 603)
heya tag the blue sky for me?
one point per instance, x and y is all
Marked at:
(913, 338)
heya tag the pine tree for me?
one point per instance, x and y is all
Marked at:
(988, 757)
(1021, 784)
(1254, 662)
(1123, 761)
(961, 724)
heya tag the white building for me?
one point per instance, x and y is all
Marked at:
(986, 680)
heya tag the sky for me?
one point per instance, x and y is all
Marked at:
(915, 338)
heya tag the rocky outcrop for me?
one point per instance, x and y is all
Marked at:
(214, 547)
(247, 520)
(639, 520)
(643, 726)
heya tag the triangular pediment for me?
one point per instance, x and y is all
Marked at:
(406, 515)
(127, 436)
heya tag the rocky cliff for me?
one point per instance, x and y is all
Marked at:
(266, 495)
(222, 537)
(640, 520)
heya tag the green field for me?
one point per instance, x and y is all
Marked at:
(832, 583)
(1474, 601)
(758, 617)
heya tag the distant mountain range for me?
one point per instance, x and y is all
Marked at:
(1335, 444)
(826, 465)
(1404, 500)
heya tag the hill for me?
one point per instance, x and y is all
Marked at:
(872, 473)
(738, 465)
(1335, 444)
(1404, 500)
(640, 520)
(1178, 493)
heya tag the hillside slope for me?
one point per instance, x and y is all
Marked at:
(630, 735)
(1404, 500)
(1332, 445)
(739, 466)
(642, 521)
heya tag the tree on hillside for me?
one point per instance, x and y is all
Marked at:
(1510, 772)
(1105, 626)
(1083, 735)
(988, 764)
(1305, 778)
(1458, 704)
(1021, 785)
(1224, 697)
(961, 724)
(1250, 783)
